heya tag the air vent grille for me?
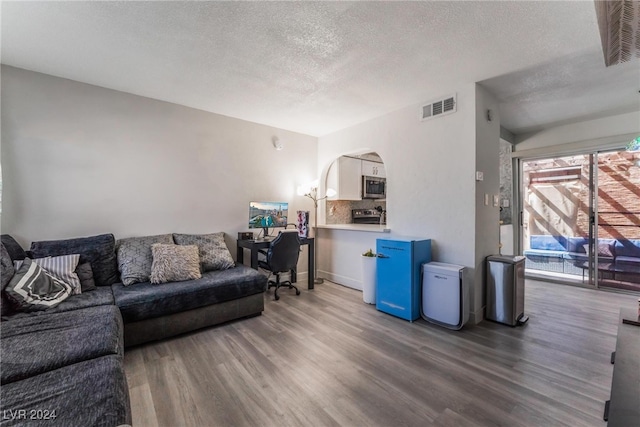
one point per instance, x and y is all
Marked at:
(437, 108)
(440, 107)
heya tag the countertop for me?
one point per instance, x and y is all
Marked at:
(375, 228)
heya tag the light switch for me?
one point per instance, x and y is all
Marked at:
(505, 203)
(479, 176)
(486, 199)
(496, 200)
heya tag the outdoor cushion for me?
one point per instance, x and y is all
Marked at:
(583, 257)
(33, 345)
(146, 300)
(544, 253)
(88, 393)
(626, 264)
(100, 251)
(576, 244)
(548, 243)
(101, 296)
(628, 248)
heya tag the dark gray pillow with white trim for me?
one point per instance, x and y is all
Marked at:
(32, 289)
(60, 267)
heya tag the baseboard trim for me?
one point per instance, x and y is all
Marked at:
(341, 280)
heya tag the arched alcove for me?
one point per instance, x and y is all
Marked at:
(346, 175)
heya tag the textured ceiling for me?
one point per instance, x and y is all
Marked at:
(316, 67)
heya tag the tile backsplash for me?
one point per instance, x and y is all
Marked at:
(339, 211)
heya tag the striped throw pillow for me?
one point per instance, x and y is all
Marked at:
(32, 289)
(62, 268)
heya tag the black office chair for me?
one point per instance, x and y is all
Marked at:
(281, 257)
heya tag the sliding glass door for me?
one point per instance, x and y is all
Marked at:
(618, 220)
(556, 217)
(580, 218)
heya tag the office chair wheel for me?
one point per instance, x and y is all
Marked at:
(297, 292)
(276, 297)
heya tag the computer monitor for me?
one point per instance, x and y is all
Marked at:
(268, 214)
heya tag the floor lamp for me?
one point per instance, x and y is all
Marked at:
(311, 191)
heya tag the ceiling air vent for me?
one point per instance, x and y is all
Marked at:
(439, 107)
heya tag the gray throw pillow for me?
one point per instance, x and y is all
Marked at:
(214, 254)
(135, 259)
(32, 289)
(174, 263)
(85, 274)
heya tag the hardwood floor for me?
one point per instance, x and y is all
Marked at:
(325, 358)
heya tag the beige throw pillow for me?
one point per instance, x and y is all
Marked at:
(174, 263)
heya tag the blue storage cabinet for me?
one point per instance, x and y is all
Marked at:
(398, 269)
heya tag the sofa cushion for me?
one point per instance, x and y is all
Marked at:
(101, 296)
(174, 263)
(135, 258)
(31, 288)
(33, 345)
(214, 254)
(146, 301)
(548, 243)
(61, 267)
(627, 248)
(15, 250)
(6, 264)
(88, 393)
(85, 275)
(97, 250)
(6, 274)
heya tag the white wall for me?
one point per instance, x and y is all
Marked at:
(430, 170)
(587, 134)
(487, 217)
(80, 160)
(506, 239)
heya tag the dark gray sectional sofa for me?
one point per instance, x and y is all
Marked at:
(64, 366)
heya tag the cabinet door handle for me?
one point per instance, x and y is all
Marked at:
(382, 256)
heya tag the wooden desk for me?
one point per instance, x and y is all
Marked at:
(255, 245)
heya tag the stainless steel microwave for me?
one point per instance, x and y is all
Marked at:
(373, 187)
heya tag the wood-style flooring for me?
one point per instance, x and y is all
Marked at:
(325, 358)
